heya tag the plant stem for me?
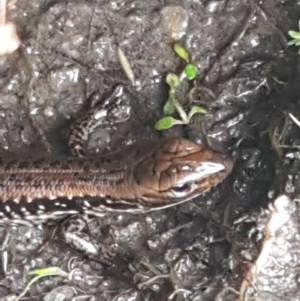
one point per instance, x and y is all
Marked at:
(178, 106)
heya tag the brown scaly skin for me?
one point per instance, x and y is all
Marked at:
(143, 176)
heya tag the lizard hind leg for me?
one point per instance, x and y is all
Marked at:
(110, 111)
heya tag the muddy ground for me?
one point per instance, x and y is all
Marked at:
(247, 80)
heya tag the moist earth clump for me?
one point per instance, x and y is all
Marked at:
(247, 81)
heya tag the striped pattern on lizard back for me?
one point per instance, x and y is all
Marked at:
(144, 176)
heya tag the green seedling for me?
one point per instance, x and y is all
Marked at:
(40, 273)
(181, 52)
(173, 81)
(169, 108)
(196, 110)
(172, 105)
(166, 123)
(190, 71)
(295, 35)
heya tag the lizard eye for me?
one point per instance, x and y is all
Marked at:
(181, 190)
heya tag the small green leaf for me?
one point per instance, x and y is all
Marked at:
(169, 108)
(196, 110)
(190, 71)
(292, 42)
(166, 123)
(48, 271)
(297, 44)
(181, 52)
(172, 80)
(40, 273)
(294, 34)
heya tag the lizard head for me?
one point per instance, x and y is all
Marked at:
(177, 171)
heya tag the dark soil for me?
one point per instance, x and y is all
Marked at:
(247, 80)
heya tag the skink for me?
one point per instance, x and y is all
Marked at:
(147, 176)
